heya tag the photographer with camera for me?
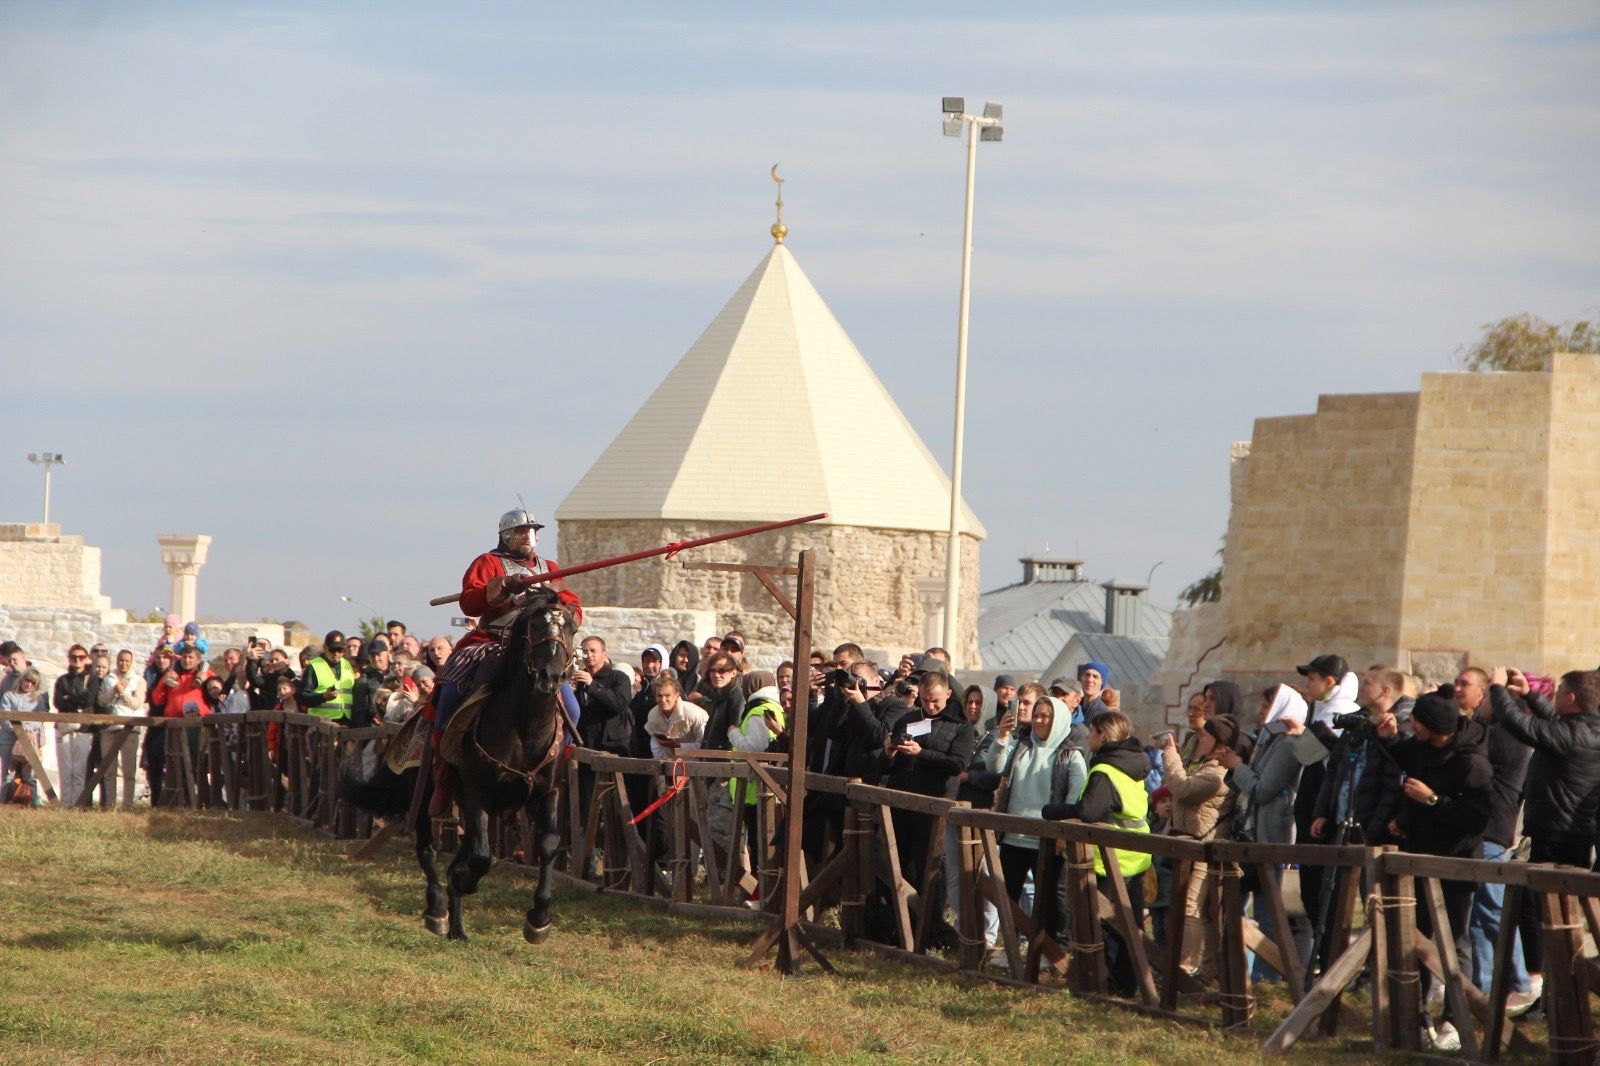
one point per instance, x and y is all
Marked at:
(1361, 786)
(927, 749)
(1447, 795)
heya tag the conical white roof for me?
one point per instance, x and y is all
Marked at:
(772, 413)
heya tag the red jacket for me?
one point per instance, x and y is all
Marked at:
(482, 596)
(191, 689)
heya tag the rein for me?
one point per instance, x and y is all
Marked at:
(555, 633)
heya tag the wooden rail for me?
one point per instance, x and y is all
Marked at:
(693, 856)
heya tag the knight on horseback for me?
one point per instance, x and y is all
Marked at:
(493, 589)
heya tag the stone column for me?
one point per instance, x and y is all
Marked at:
(930, 595)
(184, 554)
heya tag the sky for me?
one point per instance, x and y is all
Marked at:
(335, 283)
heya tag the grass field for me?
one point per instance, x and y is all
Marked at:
(209, 938)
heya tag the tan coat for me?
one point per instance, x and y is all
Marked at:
(1202, 803)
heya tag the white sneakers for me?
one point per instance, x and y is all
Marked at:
(1445, 1038)
(1519, 1003)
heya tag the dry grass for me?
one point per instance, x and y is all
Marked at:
(206, 938)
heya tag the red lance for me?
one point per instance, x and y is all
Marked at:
(669, 550)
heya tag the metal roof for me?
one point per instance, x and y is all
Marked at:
(1131, 660)
(1024, 627)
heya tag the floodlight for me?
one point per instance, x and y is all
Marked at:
(992, 111)
(952, 127)
(954, 105)
(991, 133)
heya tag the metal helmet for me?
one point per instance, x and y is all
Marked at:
(516, 519)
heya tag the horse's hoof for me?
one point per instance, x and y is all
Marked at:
(438, 926)
(456, 936)
(535, 934)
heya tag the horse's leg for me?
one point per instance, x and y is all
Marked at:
(433, 914)
(472, 859)
(543, 814)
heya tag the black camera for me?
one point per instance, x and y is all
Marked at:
(842, 678)
(1356, 723)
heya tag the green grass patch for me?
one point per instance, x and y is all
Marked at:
(216, 937)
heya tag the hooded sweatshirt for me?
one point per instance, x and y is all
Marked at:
(688, 678)
(1041, 771)
(1342, 700)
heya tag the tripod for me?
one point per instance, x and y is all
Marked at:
(1356, 757)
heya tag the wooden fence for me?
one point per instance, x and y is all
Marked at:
(689, 856)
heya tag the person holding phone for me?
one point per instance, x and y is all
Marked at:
(674, 724)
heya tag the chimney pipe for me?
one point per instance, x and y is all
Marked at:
(1123, 600)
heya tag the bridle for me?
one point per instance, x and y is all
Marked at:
(555, 632)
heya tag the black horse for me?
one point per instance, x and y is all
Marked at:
(508, 760)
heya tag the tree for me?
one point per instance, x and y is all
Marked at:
(1207, 589)
(1526, 342)
(372, 627)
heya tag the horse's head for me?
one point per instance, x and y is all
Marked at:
(541, 637)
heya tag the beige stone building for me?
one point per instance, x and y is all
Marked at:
(1457, 524)
(773, 414)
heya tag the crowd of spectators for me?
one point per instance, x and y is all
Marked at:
(1492, 765)
(351, 681)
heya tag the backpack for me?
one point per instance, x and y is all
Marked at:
(18, 790)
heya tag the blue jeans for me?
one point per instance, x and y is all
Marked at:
(1484, 926)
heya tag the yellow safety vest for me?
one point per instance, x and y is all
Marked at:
(339, 706)
(1135, 809)
(752, 787)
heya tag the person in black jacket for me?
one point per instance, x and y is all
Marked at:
(1447, 795)
(75, 692)
(1119, 754)
(604, 724)
(1563, 782)
(927, 749)
(377, 673)
(603, 694)
(686, 664)
(1508, 757)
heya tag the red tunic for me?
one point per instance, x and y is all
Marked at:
(482, 601)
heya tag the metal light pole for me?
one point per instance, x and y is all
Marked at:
(47, 460)
(979, 127)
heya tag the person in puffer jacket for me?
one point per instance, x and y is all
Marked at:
(1202, 809)
(1042, 769)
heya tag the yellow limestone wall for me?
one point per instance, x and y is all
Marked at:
(1460, 523)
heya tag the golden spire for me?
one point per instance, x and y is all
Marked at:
(779, 230)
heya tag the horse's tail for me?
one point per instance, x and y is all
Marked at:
(385, 793)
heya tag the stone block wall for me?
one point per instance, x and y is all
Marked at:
(628, 630)
(46, 633)
(866, 589)
(1316, 549)
(40, 567)
(1475, 543)
(1459, 524)
(1572, 542)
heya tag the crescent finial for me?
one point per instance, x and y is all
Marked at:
(779, 230)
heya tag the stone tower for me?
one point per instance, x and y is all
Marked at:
(1426, 530)
(773, 413)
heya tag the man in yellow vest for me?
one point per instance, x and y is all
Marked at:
(326, 690)
(1115, 797)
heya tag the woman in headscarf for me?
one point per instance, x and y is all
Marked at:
(1266, 787)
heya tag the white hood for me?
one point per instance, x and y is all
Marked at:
(1341, 700)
